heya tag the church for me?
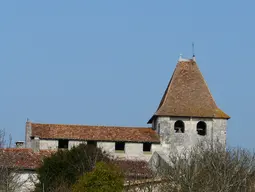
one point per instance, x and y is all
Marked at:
(186, 114)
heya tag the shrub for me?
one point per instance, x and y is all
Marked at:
(104, 178)
(66, 166)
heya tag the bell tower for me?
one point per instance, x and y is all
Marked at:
(187, 111)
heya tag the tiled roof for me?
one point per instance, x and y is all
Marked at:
(135, 169)
(96, 133)
(22, 158)
(188, 95)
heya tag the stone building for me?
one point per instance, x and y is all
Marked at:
(187, 113)
(121, 142)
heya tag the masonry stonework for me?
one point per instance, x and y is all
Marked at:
(220, 130)
(28, 132)
(175, 142)
(72, 143)
(48, 144)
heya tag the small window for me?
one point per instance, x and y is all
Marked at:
(63, 144)
(179, 126)
(146, 147)
(201, 128)
(119, 146)
(93, 143)
(154, 124)
(159, 128)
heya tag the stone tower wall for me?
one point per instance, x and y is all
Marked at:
(176, 142)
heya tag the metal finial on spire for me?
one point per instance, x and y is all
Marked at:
(193, 49)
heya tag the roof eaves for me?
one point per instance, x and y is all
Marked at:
(101, 140)
(224, 116)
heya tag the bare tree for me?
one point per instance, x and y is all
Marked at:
(209, 168)
(10, 172)
(138, 175)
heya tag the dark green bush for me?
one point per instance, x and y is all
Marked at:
(66, 166)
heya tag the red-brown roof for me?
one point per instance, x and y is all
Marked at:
(96, 133)
(135, 168)
(22, 158)
(188, 95)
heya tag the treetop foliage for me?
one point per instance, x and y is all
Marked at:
(68, 166)
(104, 178)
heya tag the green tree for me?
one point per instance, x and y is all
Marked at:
(66, 166)
(104, 178)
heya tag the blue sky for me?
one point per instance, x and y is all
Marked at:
(109, 62)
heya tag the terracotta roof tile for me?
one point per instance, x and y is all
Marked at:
(188, 95)
(135, 168)
(22, 158)
(97, 133)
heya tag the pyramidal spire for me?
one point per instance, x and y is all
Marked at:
(187, 94)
